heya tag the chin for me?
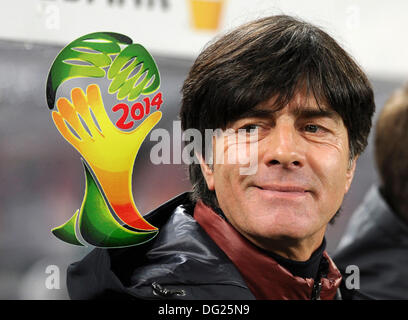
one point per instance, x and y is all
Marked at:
(282, 225)
(294, 234)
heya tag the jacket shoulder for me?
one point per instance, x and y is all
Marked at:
(182, 262)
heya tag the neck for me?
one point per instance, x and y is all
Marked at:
(303, 269)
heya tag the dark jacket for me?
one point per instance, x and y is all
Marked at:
(376, 241)
(182, 262)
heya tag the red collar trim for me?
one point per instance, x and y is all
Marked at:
(264, 276)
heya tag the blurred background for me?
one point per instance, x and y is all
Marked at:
(41, 175)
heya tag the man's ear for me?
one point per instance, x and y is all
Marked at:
(207, 171)
(350, 173)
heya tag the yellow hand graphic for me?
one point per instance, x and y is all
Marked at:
(109, 151)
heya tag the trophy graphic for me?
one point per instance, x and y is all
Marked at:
(108, 216)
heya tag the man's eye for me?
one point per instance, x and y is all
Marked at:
(250, 127)
(312, 128)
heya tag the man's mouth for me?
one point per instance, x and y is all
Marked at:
(283, 191)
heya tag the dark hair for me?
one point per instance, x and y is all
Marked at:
(391, 153)
(273, 57)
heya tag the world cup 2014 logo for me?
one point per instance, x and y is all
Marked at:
(108, 216)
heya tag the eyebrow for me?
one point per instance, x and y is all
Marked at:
(311, 113)
(258, 113)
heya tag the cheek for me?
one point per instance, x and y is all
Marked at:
(226, 178)
(330, 167)
(229, 186)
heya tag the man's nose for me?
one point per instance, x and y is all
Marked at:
(284, 147)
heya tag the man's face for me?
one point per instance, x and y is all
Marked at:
(302, 176)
